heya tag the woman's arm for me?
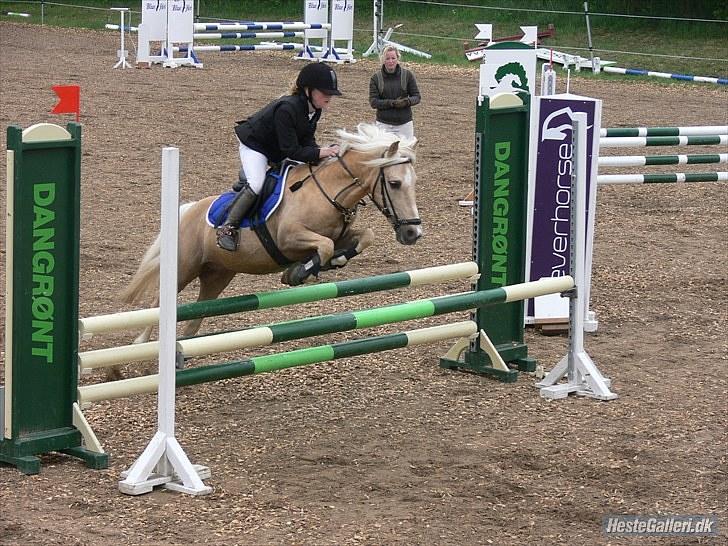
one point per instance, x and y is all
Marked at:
(375, 96)
(413, 91)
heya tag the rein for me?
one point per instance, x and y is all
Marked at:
(349, 214)
(391, 215)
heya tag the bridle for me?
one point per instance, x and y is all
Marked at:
(387, 207)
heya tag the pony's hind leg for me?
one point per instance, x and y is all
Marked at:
(113, 373)
(146, 334)
(212, 283)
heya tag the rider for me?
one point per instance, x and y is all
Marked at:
(285, 128)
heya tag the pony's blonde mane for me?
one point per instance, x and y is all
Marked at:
(370, 138)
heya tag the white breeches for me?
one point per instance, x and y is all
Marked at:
(406, 130)
(255, 166)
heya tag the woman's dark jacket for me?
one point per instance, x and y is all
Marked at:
(399, 84)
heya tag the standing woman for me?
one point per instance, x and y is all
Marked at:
(285, 128)
(392, 92)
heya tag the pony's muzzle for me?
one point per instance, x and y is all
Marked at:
(408, 234)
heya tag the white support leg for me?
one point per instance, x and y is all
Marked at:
(587, 380)
(582, 375)
(90, 440)
(122, 53)
(378, 11)
(406, 48)
(164, 462)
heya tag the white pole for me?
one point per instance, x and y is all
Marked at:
(582, 375)
(164, 462)
(168, 44)
(122, 62)
(168, 289)
(378, 14)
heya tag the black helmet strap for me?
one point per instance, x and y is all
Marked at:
(308, 96)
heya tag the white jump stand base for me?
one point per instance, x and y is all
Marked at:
(164, 463)
(380, 42)
(176, 62)
(122, 52)
(586, 380)
(122, 63)
(582, 375)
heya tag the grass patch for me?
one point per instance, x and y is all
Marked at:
(445, 30)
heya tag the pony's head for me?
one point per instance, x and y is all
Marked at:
(393, 190)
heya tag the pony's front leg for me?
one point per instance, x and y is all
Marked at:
(352, 244)
(322, 248)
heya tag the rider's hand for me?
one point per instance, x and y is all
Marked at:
(329, 151)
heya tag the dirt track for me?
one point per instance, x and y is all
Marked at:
(386, 449)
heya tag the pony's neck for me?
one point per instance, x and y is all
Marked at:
(352, 165)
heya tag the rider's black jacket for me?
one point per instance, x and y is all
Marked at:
(282, 129)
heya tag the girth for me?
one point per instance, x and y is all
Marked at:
(266, 239)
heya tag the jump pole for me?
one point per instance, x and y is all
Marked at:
(681, 140)
(663, 131)
(278, 361)
(328, 324)
(163, 461)
(128, 320)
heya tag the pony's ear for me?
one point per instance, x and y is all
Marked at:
(392, 149)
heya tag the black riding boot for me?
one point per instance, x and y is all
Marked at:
(227, 234)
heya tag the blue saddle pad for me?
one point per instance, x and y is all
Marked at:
(217, 212)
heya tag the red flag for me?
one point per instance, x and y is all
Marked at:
(69, 100)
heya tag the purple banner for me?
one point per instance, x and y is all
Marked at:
(551, 184)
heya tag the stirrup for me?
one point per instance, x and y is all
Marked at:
(227, 237)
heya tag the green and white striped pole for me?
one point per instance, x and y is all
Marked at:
(647, 160)
(327, 324)
(278, 298)
(634, 142)
(664, 131)
(280, 361)
(667, 178)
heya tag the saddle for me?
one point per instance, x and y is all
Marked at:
(268, 200)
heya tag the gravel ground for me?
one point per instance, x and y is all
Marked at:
(389, 448)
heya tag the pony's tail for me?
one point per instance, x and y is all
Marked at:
(146, 279)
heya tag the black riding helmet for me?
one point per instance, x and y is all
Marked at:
(318, 76)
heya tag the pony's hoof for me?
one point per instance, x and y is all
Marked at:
(114, 374)
(286, 278)
(296, 275)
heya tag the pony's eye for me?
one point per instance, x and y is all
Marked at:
(395, 184)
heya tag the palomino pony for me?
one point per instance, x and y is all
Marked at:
(313, 227)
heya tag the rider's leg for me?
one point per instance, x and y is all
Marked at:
(252, 175)
(227, 234)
